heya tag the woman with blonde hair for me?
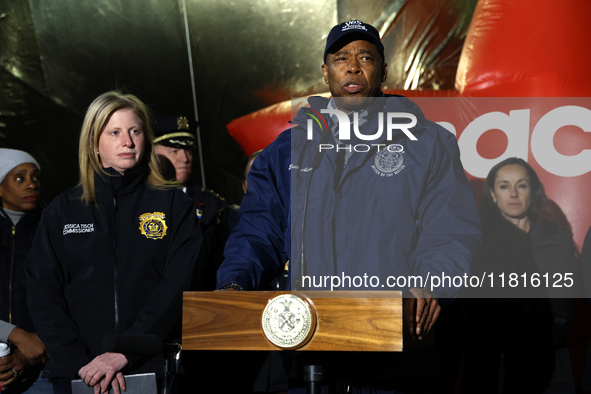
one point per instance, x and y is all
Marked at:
(112, 255)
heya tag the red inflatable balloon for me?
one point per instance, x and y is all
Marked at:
(533, 48)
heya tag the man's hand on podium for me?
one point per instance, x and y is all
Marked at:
(427, 311)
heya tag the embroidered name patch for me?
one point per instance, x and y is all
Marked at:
(78, 228)
(153, 225)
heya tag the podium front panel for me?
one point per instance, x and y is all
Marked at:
(345, 320)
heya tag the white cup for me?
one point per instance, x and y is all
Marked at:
(4, 349)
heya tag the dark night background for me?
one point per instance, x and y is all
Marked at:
(56, 57)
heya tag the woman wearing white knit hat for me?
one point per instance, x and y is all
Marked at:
(19, 217)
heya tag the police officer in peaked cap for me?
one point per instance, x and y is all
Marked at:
(174, 144)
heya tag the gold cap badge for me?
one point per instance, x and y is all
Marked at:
(152, 225)
(182, 123)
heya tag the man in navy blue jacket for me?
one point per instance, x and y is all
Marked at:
(352, 202)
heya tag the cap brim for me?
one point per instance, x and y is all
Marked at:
(178, 142)
(351, 36)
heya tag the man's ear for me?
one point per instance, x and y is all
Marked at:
(325, 73)
(384, 71)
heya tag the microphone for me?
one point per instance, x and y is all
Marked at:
(137, 345)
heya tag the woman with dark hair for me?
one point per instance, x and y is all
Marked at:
(535, 205)
(518, 339)
(20, 212)
(112, 255)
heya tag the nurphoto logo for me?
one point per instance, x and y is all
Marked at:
(392, 123)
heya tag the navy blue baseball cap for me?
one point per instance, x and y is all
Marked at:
(342, 34)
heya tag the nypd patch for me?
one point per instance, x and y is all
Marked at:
(153, 225)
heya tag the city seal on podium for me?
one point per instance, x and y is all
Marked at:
(288, 321)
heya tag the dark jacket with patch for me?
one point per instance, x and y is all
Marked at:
(116, 268)
(381, 214)
(216, 220)
(208, 204)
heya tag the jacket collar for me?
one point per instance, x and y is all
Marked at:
(542, 233)
(114, 182)
(545, 233)
(393, 103)
(30, 218)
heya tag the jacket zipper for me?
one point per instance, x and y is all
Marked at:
(115, 263)
(10, 280)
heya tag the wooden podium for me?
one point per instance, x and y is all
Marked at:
(366, 321)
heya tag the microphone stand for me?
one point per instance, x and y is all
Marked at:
(172, 357)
